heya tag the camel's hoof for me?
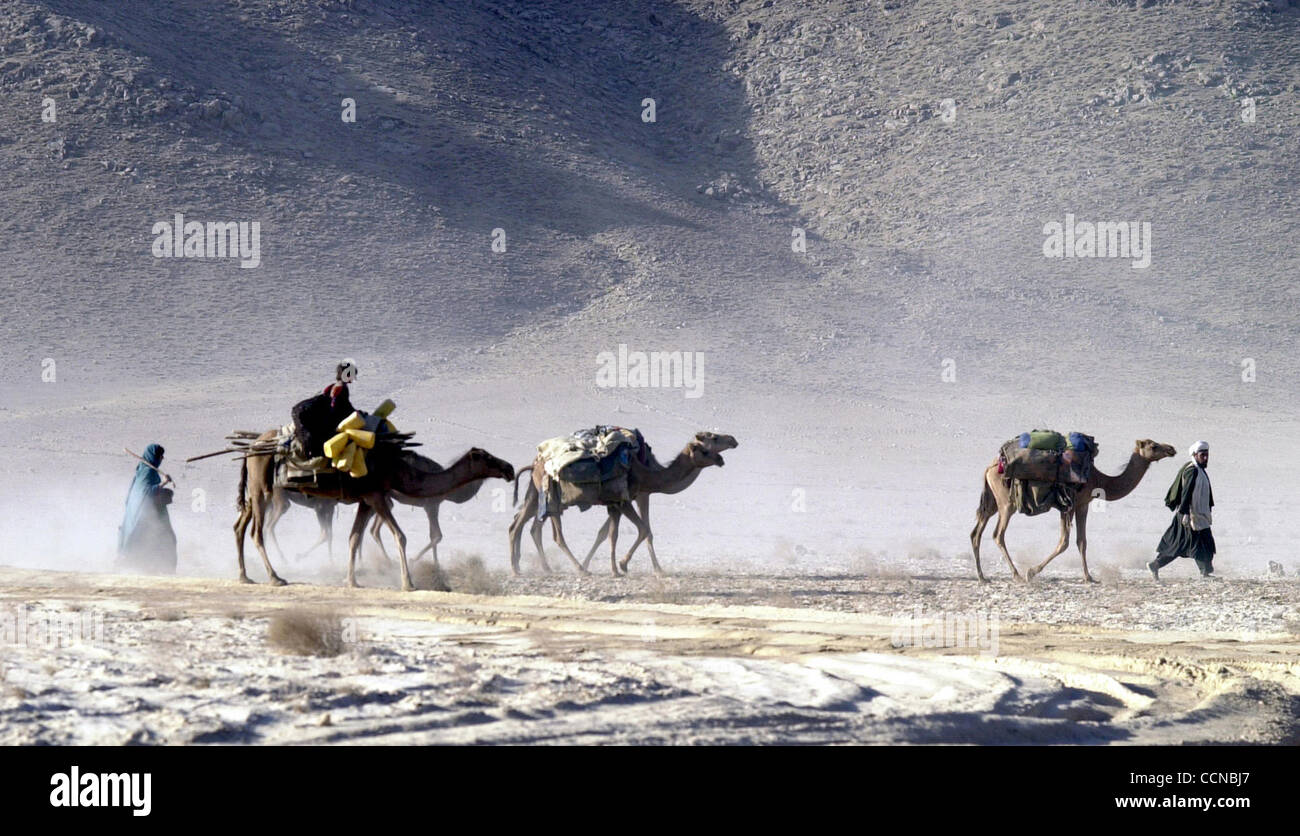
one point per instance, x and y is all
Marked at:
(983, 579)
(276, 580)
(353, 584)
(245, 579)
(1090, 579)
(408, 587)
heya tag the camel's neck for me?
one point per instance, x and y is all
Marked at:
(416, 483)
(1118, 487)
(676, 477)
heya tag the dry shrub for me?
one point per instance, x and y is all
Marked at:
(427, 576)
(468, 575)
(306, 633)
(471, 576)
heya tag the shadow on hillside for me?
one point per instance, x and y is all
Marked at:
(506, 55)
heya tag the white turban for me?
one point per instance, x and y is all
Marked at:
(1198, 447)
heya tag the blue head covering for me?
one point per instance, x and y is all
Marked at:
(143, 487)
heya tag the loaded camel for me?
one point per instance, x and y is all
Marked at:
(281, 499)
(698, 453)
(390, 471)
(995, 500)
(641, 488)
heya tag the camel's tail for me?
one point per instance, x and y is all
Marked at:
(243, 485)
(526, 469)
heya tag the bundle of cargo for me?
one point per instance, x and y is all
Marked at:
(345, 452)
(1048, 456)
(589, 467)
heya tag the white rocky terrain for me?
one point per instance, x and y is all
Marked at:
(918, 150)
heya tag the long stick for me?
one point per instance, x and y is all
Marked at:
(165, 477)
(218, 453)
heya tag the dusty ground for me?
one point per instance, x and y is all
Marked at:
(695, 658)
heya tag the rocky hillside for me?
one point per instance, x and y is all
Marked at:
(921, 149)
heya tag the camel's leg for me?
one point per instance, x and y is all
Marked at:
(325, 522)
(975, 535)
(642, 533)
(241, 526)
(643, 503)
(987, 510)
(1000, 536)
(613, 540)
(1061, 546)
(277, 508)
(535, 531)
(558, 533)
(526, 513)
(382, 561)
(384, 510)
(376, 525)
(1081, 521)
(435, 533)
(259, 503)
(354, 539)
(600, 538)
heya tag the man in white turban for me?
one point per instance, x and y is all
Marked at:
(1191, 499)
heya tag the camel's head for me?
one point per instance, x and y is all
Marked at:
(1154, 451)
(490, 464)
(702, 456)
(712, 444)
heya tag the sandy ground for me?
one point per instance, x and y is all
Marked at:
(690, 658)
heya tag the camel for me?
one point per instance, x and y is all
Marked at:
(390, 471)
(698, 453)
(641, 496)
(996, 501)
(324, 508)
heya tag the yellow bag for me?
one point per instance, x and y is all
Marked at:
(385, 409)
(335, 446)
(352, 422)
(358, 468)
(365, 440)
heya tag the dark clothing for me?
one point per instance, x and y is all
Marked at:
(1179, 496)
(145, 541)
(1179, 539)
(316, 419)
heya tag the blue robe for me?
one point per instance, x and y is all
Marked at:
(145, 540)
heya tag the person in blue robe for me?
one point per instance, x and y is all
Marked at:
(145, 540)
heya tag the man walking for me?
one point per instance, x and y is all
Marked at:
(1190, 498)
